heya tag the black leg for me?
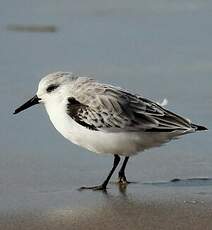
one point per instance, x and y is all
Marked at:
(122, 177)
(104, 185)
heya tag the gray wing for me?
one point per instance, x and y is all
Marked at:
(111, 109)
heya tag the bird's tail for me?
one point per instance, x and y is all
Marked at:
(199, 127)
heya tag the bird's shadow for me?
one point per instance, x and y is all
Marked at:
(176, 182)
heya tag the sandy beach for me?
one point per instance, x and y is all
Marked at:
(118, 210)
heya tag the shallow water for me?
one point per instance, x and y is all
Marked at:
(160, 49)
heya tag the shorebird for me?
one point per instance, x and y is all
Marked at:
(107, 119)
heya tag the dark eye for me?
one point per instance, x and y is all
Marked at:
(52, 87)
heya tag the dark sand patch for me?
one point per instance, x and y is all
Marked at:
(32, 28)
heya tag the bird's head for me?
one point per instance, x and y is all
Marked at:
(51, 87)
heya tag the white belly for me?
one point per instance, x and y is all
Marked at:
(122, 143)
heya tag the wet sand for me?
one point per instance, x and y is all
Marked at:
(116, 215)
(137, 207)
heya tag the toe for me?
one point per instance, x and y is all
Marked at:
(94, 188)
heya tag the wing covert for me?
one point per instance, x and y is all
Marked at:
(107, 108)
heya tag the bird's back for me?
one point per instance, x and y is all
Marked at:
(113, 109)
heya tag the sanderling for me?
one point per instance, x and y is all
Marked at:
(106, 119)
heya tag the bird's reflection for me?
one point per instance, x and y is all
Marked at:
(123, 189)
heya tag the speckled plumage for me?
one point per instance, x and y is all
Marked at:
(112, 109)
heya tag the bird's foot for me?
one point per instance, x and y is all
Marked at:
(94, 188)
(123, 180)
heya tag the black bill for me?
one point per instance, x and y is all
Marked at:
(33, 101)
